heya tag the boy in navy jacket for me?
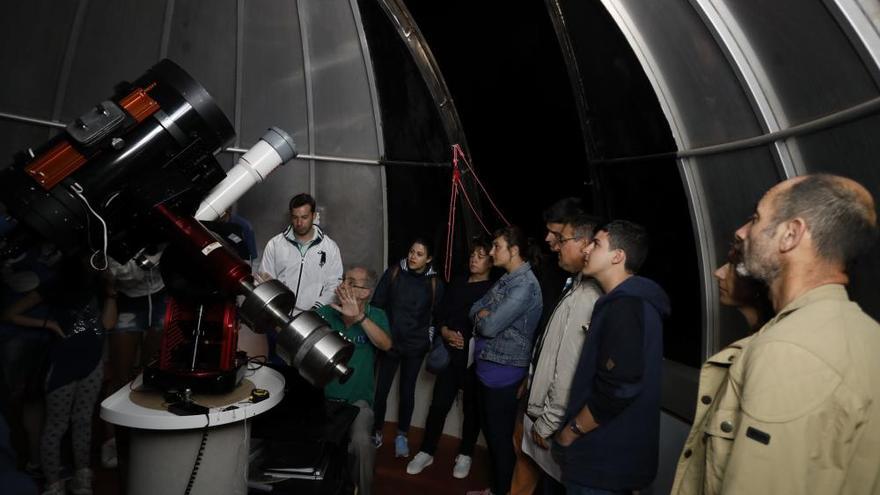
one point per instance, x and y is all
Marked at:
(609, 443)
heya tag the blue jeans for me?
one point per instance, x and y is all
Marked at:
(573, 489)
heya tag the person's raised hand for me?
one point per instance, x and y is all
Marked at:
(348, 304)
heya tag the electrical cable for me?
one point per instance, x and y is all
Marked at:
(246, 442)
(110, 199)
(150, 299)
(195, 469)
(78, 190)
(253, 359)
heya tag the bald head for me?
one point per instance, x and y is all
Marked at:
(839, 213)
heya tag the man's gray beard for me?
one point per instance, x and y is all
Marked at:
(763, 270)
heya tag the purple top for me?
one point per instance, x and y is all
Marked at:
(494, 375)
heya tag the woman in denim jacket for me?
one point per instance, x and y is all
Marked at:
(504, 325)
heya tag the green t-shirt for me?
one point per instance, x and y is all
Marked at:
(361, 385)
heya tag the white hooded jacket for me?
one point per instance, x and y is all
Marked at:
(312, 276)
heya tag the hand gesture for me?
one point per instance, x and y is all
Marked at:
(348, 304)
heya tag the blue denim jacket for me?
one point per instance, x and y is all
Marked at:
(514, 305)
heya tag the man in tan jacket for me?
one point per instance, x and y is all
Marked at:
(558, 350)
(795, 408)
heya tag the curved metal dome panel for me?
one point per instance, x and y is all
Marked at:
(303, 66)
(727, 72)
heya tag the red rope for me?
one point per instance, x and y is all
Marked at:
(458, 187)
(450, 220)
(468, 199)
(456, 151)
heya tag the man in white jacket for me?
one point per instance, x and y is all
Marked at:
(304, 258)
(557, 353)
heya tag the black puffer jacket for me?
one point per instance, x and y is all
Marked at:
(408, 299)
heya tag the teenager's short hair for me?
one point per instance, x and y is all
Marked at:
(630, 237)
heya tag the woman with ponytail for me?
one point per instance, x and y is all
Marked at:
(505, 319)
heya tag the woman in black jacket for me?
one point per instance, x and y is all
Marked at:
(456, 329)
(407, 292)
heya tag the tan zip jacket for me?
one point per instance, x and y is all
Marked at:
(798, 409)
(563, 341)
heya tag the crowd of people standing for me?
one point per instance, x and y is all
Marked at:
(565, 389)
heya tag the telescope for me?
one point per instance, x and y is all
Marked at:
(139, 170)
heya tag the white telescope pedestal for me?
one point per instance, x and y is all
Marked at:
(164, 446)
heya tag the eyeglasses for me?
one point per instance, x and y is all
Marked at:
(353, 283)
(561, 240)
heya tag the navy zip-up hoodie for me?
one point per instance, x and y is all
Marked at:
(407, 301)
(618, 378)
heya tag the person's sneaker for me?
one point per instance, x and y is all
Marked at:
(419, 463)
(109, 459)
(462, 466)
(81, 484)
(401, 446)
(377, 439)
(56, 488)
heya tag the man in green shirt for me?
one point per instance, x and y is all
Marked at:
(367, 328)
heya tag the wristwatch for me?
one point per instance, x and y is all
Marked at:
(573, 426)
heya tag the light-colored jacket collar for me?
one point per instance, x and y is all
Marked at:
(430, 272)
(316, 239)
(820, 293)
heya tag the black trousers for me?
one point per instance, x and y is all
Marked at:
(456, 376)
(409, 372)
(498, 408)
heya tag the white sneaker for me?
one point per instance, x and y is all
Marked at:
(419, 463)
(109, 458)
(81, 484)
(462, 466)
